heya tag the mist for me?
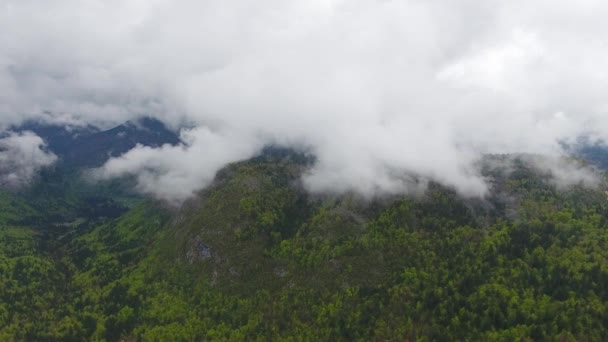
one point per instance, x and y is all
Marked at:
(22, 155)
(378, 91)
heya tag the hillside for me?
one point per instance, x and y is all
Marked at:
(257, 257)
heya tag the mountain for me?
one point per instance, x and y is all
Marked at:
(256, 256)
(596, 154)
(60, 194)
(86, 147)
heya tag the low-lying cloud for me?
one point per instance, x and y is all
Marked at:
(22, 155)
(176, 172)
(377, 90)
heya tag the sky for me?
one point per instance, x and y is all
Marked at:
(381, 92)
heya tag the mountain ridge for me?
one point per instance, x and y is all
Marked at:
(89, 147)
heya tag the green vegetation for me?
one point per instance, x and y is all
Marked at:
(257, 258)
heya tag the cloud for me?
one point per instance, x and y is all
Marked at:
(21, 156)
(175, 172)
(562, 172)
(565, 173)
(382, 92)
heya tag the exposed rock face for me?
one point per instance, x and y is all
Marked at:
(198, 251)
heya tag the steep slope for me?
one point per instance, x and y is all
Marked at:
(439, 267)
(257, 257)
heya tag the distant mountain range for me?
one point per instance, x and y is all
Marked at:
(87, 147)
(596, 154)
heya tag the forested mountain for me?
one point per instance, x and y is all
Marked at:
(303, 170)
(256, 257)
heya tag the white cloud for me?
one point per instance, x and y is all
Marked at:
(21, 156)
(564, 172)
(378, 90)
(175, 172)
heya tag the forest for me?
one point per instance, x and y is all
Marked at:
(256, 257)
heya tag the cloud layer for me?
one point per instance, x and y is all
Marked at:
(379, 91)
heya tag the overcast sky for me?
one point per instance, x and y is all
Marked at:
(377, 90)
